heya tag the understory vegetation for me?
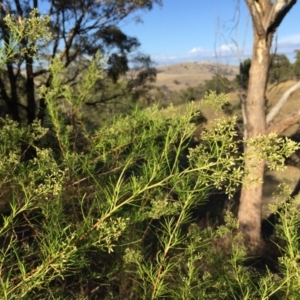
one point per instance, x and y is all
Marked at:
(280, 70)
(117, 213)
(124, 210)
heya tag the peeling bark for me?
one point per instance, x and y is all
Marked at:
(250, 210)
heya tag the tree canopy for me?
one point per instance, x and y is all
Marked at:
(297, 65)
(77, 30)
(280, 68)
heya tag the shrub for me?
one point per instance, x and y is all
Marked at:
(108, 214)
(219, 84)
(112, 201)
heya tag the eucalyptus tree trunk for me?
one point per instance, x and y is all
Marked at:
(250, 211)
(266, 17)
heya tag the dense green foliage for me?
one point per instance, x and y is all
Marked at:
(297, 65)
(109, 214)
(118, 211)
(243, 78)
(219, 84)
(76, 31)
(280, 68)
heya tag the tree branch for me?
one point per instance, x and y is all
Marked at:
(275, 110)
(257, 19)
(279, 16)
(5, 96)
(40, 72)
(101, 101)
(69, 42)
(285, 123)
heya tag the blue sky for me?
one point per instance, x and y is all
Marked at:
(196, 30)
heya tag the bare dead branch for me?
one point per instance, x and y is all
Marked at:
(285, 123)
(275, 110)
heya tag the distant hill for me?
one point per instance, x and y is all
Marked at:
(182, 75)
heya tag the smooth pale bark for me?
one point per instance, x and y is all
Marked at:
(275, 110)
(250, 210)
(284, 124)
(290, 119)
(266, 18)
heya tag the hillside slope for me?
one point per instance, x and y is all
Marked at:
(179, 76)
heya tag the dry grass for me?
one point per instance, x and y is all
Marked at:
(192, 74)
(291, 174)
(272, 179)
(274, 93)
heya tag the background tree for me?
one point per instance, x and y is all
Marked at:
(243, 77)
(296, 65)
(266, 17)
(280, 68)
(219, 84)
(79, 29)
(113, 221)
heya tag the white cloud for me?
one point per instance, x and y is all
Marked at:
(228, 53)
(196, 50)
(287, 45)
(164, 57)
(200, 52)
(291, 40)
(226, 48)
(223, 54)
(196, 53)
